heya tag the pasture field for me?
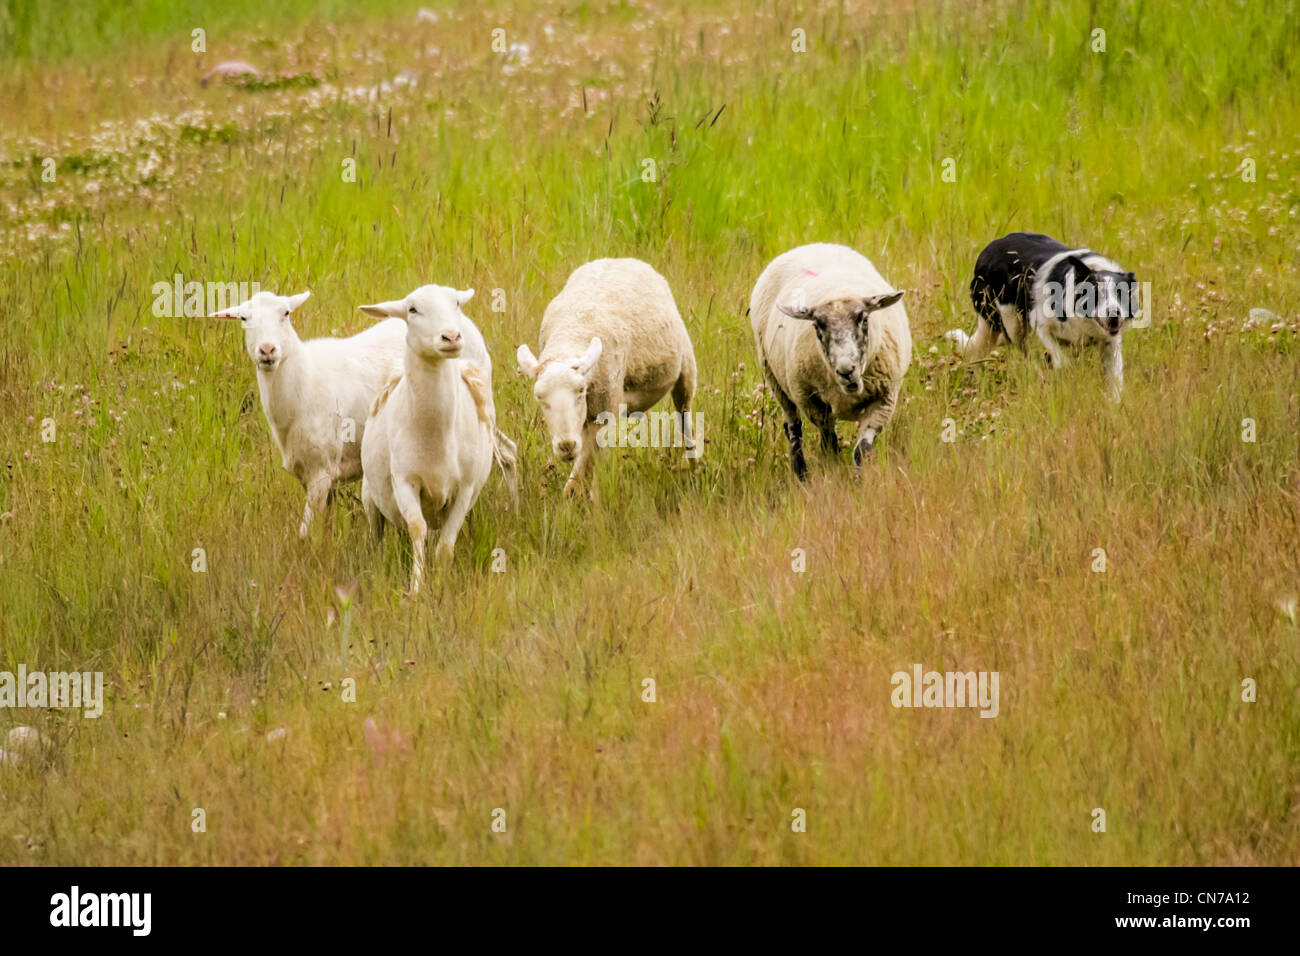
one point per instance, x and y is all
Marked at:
(1174, 150)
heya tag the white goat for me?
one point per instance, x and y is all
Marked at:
(833, 343)
(431, 440)
(316, 394)
(612, 341)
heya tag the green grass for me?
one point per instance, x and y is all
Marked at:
(522, 690)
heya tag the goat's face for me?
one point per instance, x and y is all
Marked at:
(842, 326)
(269, 335)
(433, 320)
(560, 387)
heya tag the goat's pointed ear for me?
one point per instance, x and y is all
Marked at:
(299, 299)
(528, 363)
(395, 309)
(239, 312)
(591, 358)
(802, 313)
(464, 296)
(876, 302)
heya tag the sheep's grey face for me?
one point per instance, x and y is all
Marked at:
(268, 331)
(561, 390)
(841, 328)
(433, 329)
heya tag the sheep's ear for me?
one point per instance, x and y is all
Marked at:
(876, 302)
(795, 313)
(528, 363)
(395, 309)
(463, 297)
(591, 358)
(299, 299)
(239, 312)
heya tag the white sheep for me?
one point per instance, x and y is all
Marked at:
(431, 440)
(474, 350)
(316, 394)
(833, 343)
(612, 341)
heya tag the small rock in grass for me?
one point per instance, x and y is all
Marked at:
(229, 70)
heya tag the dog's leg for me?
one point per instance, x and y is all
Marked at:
(1013, 329)
(1055, 354)
(1112, 366)
(975, 346)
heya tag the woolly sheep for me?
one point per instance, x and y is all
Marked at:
(316, 394)
(833, 343)
(431, 440)
(611, 341)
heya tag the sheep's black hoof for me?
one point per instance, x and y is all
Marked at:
(799, 465)
(861, 450)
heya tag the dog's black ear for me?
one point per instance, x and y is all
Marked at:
(1077, 266)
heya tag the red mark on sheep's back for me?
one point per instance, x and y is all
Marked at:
(809, 272)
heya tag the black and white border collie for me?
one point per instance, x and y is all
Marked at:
(1028, 282)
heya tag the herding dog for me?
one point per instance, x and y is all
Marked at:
(1027, 281)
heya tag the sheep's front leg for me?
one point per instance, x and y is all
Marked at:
(871, 424)
(1055, 354)
(407, 498)
(1112, 366)
(820, 414)
(583, 466)
(318, 491)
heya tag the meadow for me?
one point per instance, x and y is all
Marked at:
(316, 716)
